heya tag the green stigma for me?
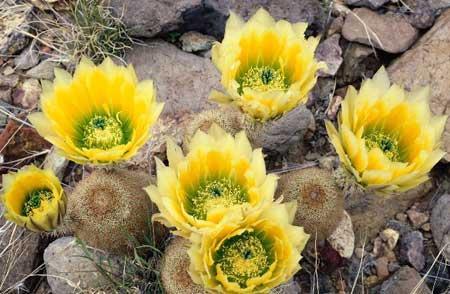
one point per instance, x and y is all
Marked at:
(213, 193)
(102, 132)
(243, 257)
(263, 78)
(385, 142)
(34, 200)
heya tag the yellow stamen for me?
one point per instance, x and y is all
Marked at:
(222, 192)
(35, 199)
(102, 132)
(243, 257)
(263, 78)
(385, 142)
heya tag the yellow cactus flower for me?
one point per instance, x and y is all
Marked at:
(267, 67)
(33, 198)
(100, 115)
(248, 255)
(220, 173)
(387, 137)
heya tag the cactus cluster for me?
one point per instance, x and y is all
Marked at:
(110, 210)
(228, 118)
(320, 204)
(174, 269)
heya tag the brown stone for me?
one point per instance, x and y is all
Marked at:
(330, 52)
(428, 64)
(145, 18)
(370, 212)
(27, 94)
(382, 267)
(182, 80)
(18, 143)
(388, 32)
(405, 280)
(417, 218)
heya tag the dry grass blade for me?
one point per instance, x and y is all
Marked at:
(369, 32)
(139, 273)
(89, 29)
(13, 116)
(14, 239)
(360, 270)
(418, 286)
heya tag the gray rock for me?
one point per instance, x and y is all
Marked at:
(404, 280)
(330, 52)
(287, 131)
(28, 58)
(343, 238)
(309, 11)
(290, 287)
(367, 27)
(193, 42)
(147, 18)
(57, 163)
(5, 95)
(27, 94)
(20, 256)
(428, 64)
(411, 249)
(440, 4)
(183, 80)
(8, 81)
(44, 70)
(440, 224)
(15, 19)
(374, 4)
(420, 13)
(360, 62)
(336, 26)
(69, 271)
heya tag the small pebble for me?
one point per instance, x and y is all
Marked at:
(390, 236)
(412, 249)
(426, 227)
(382, 267)
(8, 71)
(401, 216)
(378, 246)
(371, 280)
(417, 218)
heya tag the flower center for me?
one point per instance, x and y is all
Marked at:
(102, 132)
(385, 142)
(34, 199)
(263, 78)
(214, 193)
(243, 257)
